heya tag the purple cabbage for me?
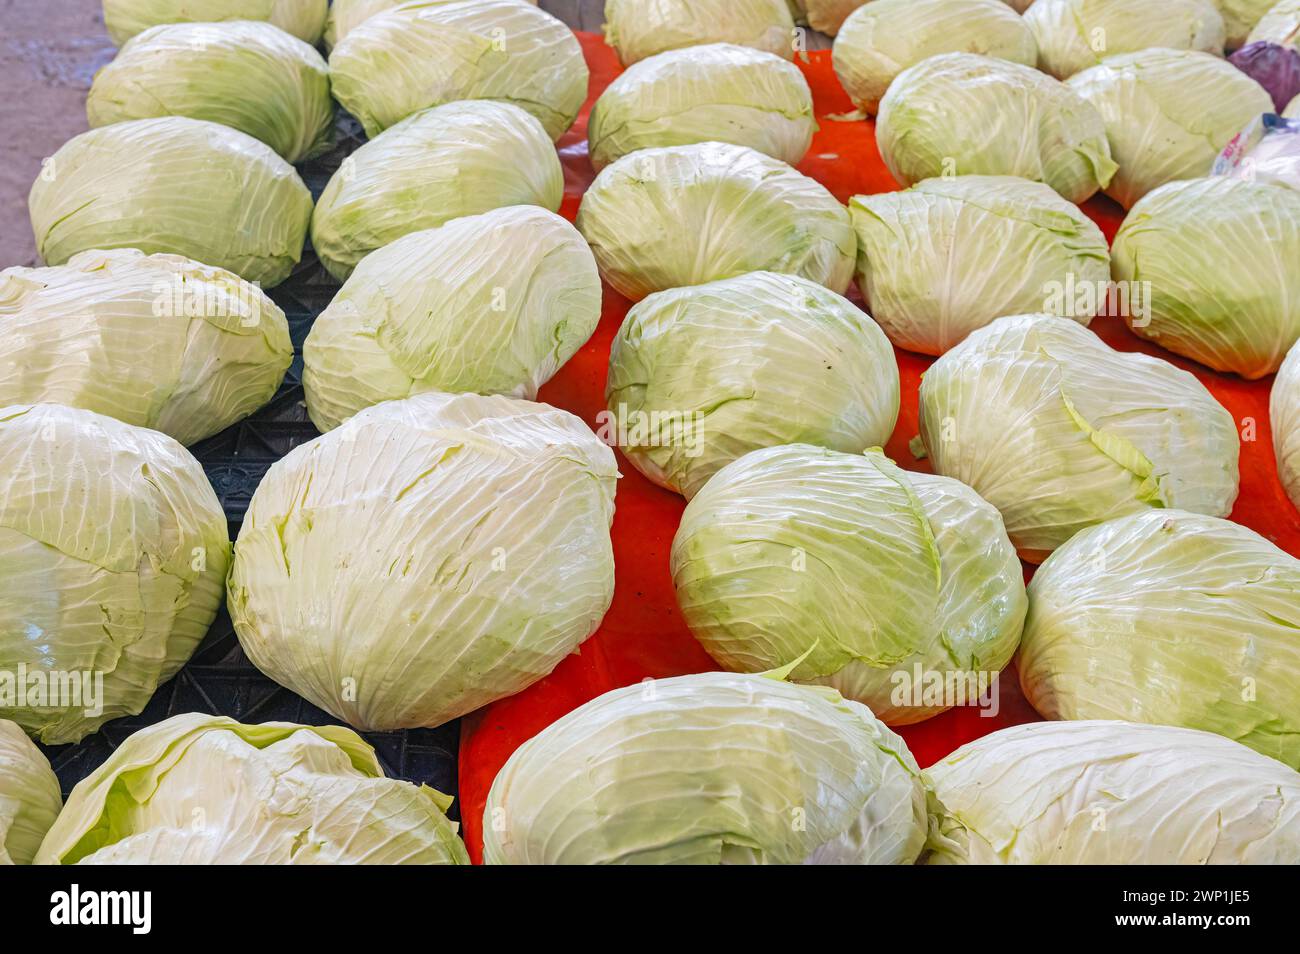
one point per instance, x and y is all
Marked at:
(1276, 68)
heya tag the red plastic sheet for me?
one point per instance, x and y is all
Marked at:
(643, 635)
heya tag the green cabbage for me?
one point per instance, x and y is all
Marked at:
(885, 37)
(1112, 793)
(454, 160)
(113, 556)
(709, 769)
(305, 19)
(637, 29)
(1280, 25)
(1172, 618)
(854, 572)
(686, 215)
(1059, 432)
(1076, 34)
(712, 372)
(425, 54)
(426, 558)
(1284, 418)
(153, 340)
(718, 91)
(1219, 255)
(206, 790)
(248, 75)
(1242, 16)
(492, 303)
(964, 114)
(1168, 114)
(29, 796)
(950, 255)
(175, 184)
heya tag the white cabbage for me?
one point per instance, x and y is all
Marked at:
(885, 37)
(454, 160)
(1112, 793)
(686, 215)
(175, 184)
(29, 796)
(1219, 256)
(305, 19)
(1240, 17)
(1168, 114)
(709, 769)
(700, 376)
(637, 29)
(1280, 25)
(1172, 618)
(492, 303)
(153, 340)
(1076, 34)
(425, 54)
(1284, 419)
(1060, 432)
(965, 114)
(704, 93)
(206, 790)
(113, 556)
(851, 570)
(248, 75)
(948, 256)
(426, 558)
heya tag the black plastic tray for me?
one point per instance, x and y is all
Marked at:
(219, 679)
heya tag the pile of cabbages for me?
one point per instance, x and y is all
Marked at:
(446, 541)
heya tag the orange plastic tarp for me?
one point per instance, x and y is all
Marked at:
(643, 634)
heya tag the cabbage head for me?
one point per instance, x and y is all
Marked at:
(1220, 256)
(1168, 114)
(686, 215)
(1284, 418)
(636, 29)
(1280, 25)
(304, 19)
(1172, 618)
(850, 570)
(426, 558)
(964, 114)
(454, 160)
(1059, 432)
(704, 93)
(709, 769)
(1076, 34)
(247, 75)
(948, 256)
(425, 54)
(200, 789)
(113, 556)
(703, 375)
(153, 340)
(1241, 17)
(29, 796)
(885, 37)
(1035, 794)
(492, 303)
(826, 16)
(185, 186)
